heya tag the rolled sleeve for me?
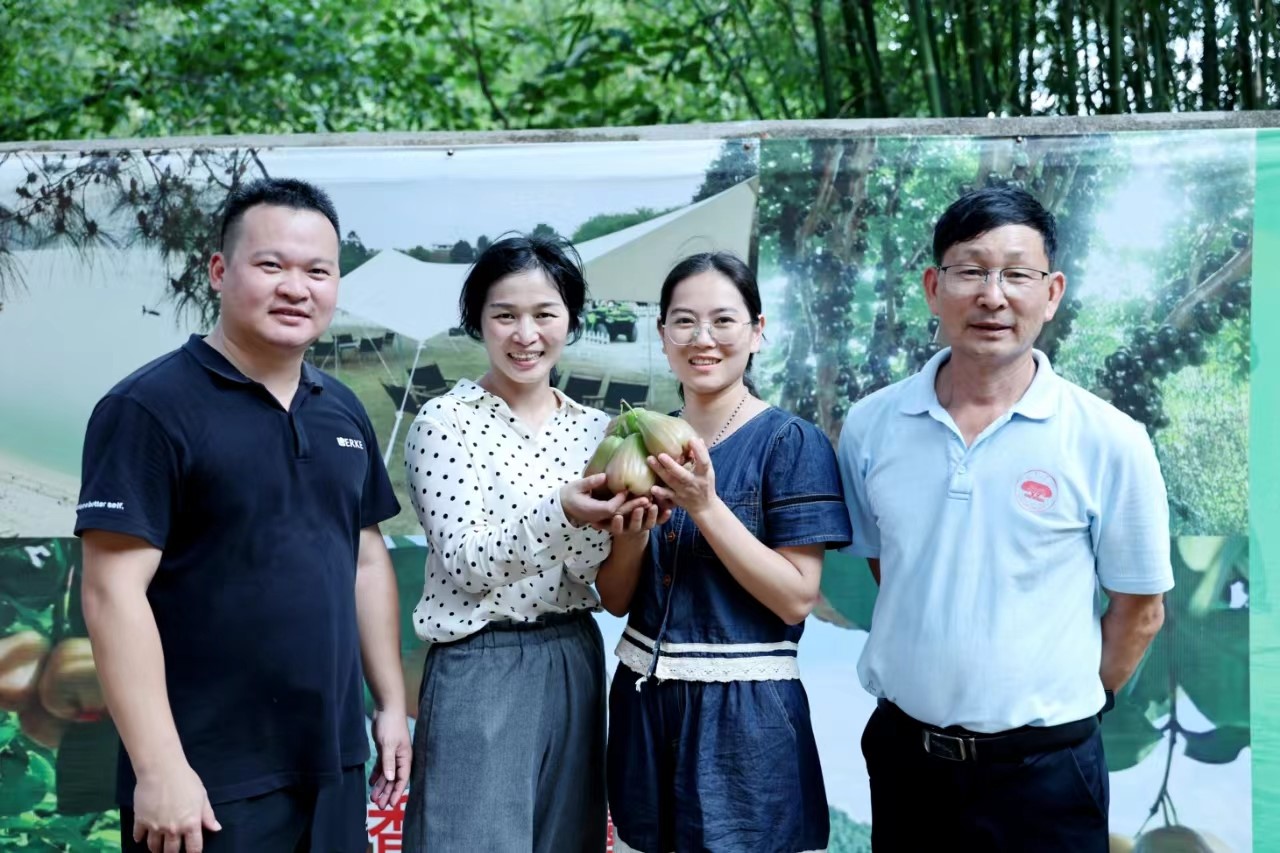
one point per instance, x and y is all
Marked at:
(802, 500)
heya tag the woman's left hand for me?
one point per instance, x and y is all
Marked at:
(695, 489)
(624, 512)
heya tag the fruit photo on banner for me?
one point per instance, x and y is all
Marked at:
(1155, 238)
(57, 746)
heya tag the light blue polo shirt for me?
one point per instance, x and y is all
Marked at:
(992, 555)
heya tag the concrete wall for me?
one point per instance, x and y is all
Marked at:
(825, 128)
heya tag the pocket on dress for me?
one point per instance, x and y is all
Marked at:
(773, 694)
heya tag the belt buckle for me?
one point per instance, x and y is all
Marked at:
(950, 747)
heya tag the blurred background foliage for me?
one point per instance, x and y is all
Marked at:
(72, 69)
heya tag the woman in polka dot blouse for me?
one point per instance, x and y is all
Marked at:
(710, 742)
(509, 743)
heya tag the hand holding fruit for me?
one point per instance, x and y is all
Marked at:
(638, 522)
(694, 488)
(581, 506)
(632, 438)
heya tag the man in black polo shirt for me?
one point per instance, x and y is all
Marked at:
(234, 573)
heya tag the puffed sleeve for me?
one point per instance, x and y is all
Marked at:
(803, 504)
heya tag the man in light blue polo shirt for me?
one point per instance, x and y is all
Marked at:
(994, 500)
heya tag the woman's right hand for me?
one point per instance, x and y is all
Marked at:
(582, 508)
(638, 522)
(692, 488)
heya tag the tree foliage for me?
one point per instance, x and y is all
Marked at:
(97, 68)
(462, 252)
(607, 223)
(352, 253)
(736, 162)
(168, 201)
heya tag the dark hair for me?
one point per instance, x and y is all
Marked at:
(519, 253)
(731, 267)
(980, 211)
(279, 192)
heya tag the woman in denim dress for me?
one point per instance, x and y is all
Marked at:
(710, 742)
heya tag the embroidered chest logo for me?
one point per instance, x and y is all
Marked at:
(1036, 490)
(350, 442)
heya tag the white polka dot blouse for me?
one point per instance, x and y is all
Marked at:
(487, 491)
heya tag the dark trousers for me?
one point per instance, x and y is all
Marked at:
(1043, 802)
(309, 818)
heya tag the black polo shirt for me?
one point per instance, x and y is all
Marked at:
(258, 511)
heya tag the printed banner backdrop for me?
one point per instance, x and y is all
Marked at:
(102, 259)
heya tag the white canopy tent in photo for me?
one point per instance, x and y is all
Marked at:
(419, 300)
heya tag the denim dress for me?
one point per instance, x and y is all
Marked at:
(710, 742)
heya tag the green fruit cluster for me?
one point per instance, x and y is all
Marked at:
(636, 434)
(1131, 374)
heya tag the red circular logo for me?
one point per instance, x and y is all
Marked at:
(1036, 490)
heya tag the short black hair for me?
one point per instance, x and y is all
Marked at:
(280, 192)
(731, 267)
(518, 253)
(979, 211)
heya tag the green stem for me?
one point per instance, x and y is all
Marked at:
(1163, 800)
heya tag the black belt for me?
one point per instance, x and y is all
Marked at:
(958, 744)
(546, 620)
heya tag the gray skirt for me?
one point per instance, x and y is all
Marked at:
(508, 749)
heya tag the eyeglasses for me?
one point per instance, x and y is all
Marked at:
(971, 278)
(685, 331)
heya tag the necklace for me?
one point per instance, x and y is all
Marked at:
(732, 416)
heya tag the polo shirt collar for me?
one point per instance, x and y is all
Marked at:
(312, 376)
(469, 392)
(919, 395)
(1038, 402)
(215, 362)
